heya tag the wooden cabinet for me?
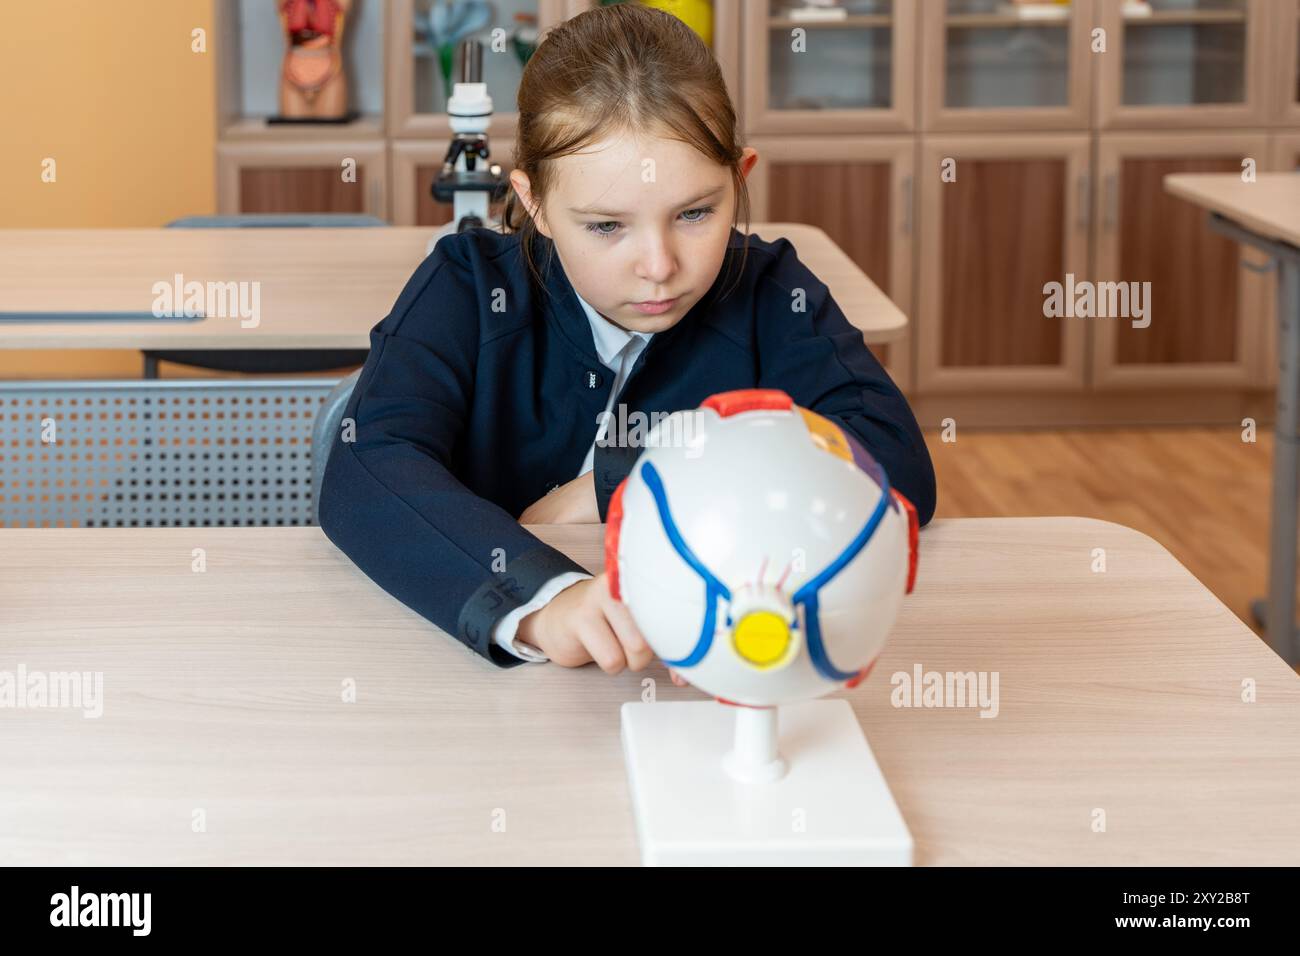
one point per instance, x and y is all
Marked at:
(1284, 76)
(1001, 217)
(854, 74)
(263, 167)
(1186, 63)
(986, 67)
(415, 165)
(1060, 147)
(310, 175)
(860, 191)
(1206, 318)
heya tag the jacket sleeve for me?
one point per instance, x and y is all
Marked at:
(389, 500)
(818, 358)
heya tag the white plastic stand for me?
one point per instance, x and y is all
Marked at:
(711, 787)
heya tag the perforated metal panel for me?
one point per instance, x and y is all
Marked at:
(157, 453)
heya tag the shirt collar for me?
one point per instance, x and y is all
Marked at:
(610, 340)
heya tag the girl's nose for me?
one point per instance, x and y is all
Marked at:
(658, 262)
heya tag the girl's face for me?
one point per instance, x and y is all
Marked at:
(637, 221)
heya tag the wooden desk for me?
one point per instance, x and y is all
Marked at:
(1269, 207)
(1119, 691)
(1266, 214)
(320, 288)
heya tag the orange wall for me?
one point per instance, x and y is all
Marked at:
(114, 94)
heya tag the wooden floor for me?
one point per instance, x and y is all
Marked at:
(1203, 493)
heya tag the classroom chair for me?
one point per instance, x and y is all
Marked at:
(328, 421)
(167, 453)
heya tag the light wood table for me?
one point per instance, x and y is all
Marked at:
(1119, 692)
(321, 288)
(1268, 207)
(1265, 214)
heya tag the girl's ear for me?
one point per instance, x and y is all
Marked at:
(523, 189)
(748, 159)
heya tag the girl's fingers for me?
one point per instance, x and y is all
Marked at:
(635, 648)
(602, 645)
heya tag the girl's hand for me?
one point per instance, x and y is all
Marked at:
(584, 623)
(574, 502)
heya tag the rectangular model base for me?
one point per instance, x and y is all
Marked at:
(832, 808)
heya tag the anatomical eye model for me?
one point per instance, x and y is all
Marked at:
(313, 84)
(764, 557)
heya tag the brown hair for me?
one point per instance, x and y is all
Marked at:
(614, 68)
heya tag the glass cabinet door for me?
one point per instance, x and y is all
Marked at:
(438, 30)
(1184, 62)
(1006, 64)
(814, 68)
(426, 60)
(250, 48)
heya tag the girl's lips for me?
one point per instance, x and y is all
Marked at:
(654, 308)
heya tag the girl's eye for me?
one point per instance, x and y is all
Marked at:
(701, 213)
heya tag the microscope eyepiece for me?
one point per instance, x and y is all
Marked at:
(471, 62)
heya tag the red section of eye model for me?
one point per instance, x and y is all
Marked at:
(748, 400)
(613, 523)
(913, 532)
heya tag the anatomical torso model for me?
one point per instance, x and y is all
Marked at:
(312, 82)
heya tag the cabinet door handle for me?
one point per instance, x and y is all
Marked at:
(907, 205)
(1112, 201)
(1084, 199)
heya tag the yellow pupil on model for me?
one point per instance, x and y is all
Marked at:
(761, 638)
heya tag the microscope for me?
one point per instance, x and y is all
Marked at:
(467, 179)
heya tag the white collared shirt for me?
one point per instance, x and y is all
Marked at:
(618, 350)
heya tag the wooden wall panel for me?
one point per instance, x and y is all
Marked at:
(299, 189)
(850, 202)
(1003, 223)
(1193, 272)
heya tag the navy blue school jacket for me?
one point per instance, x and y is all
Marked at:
(481, 393)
